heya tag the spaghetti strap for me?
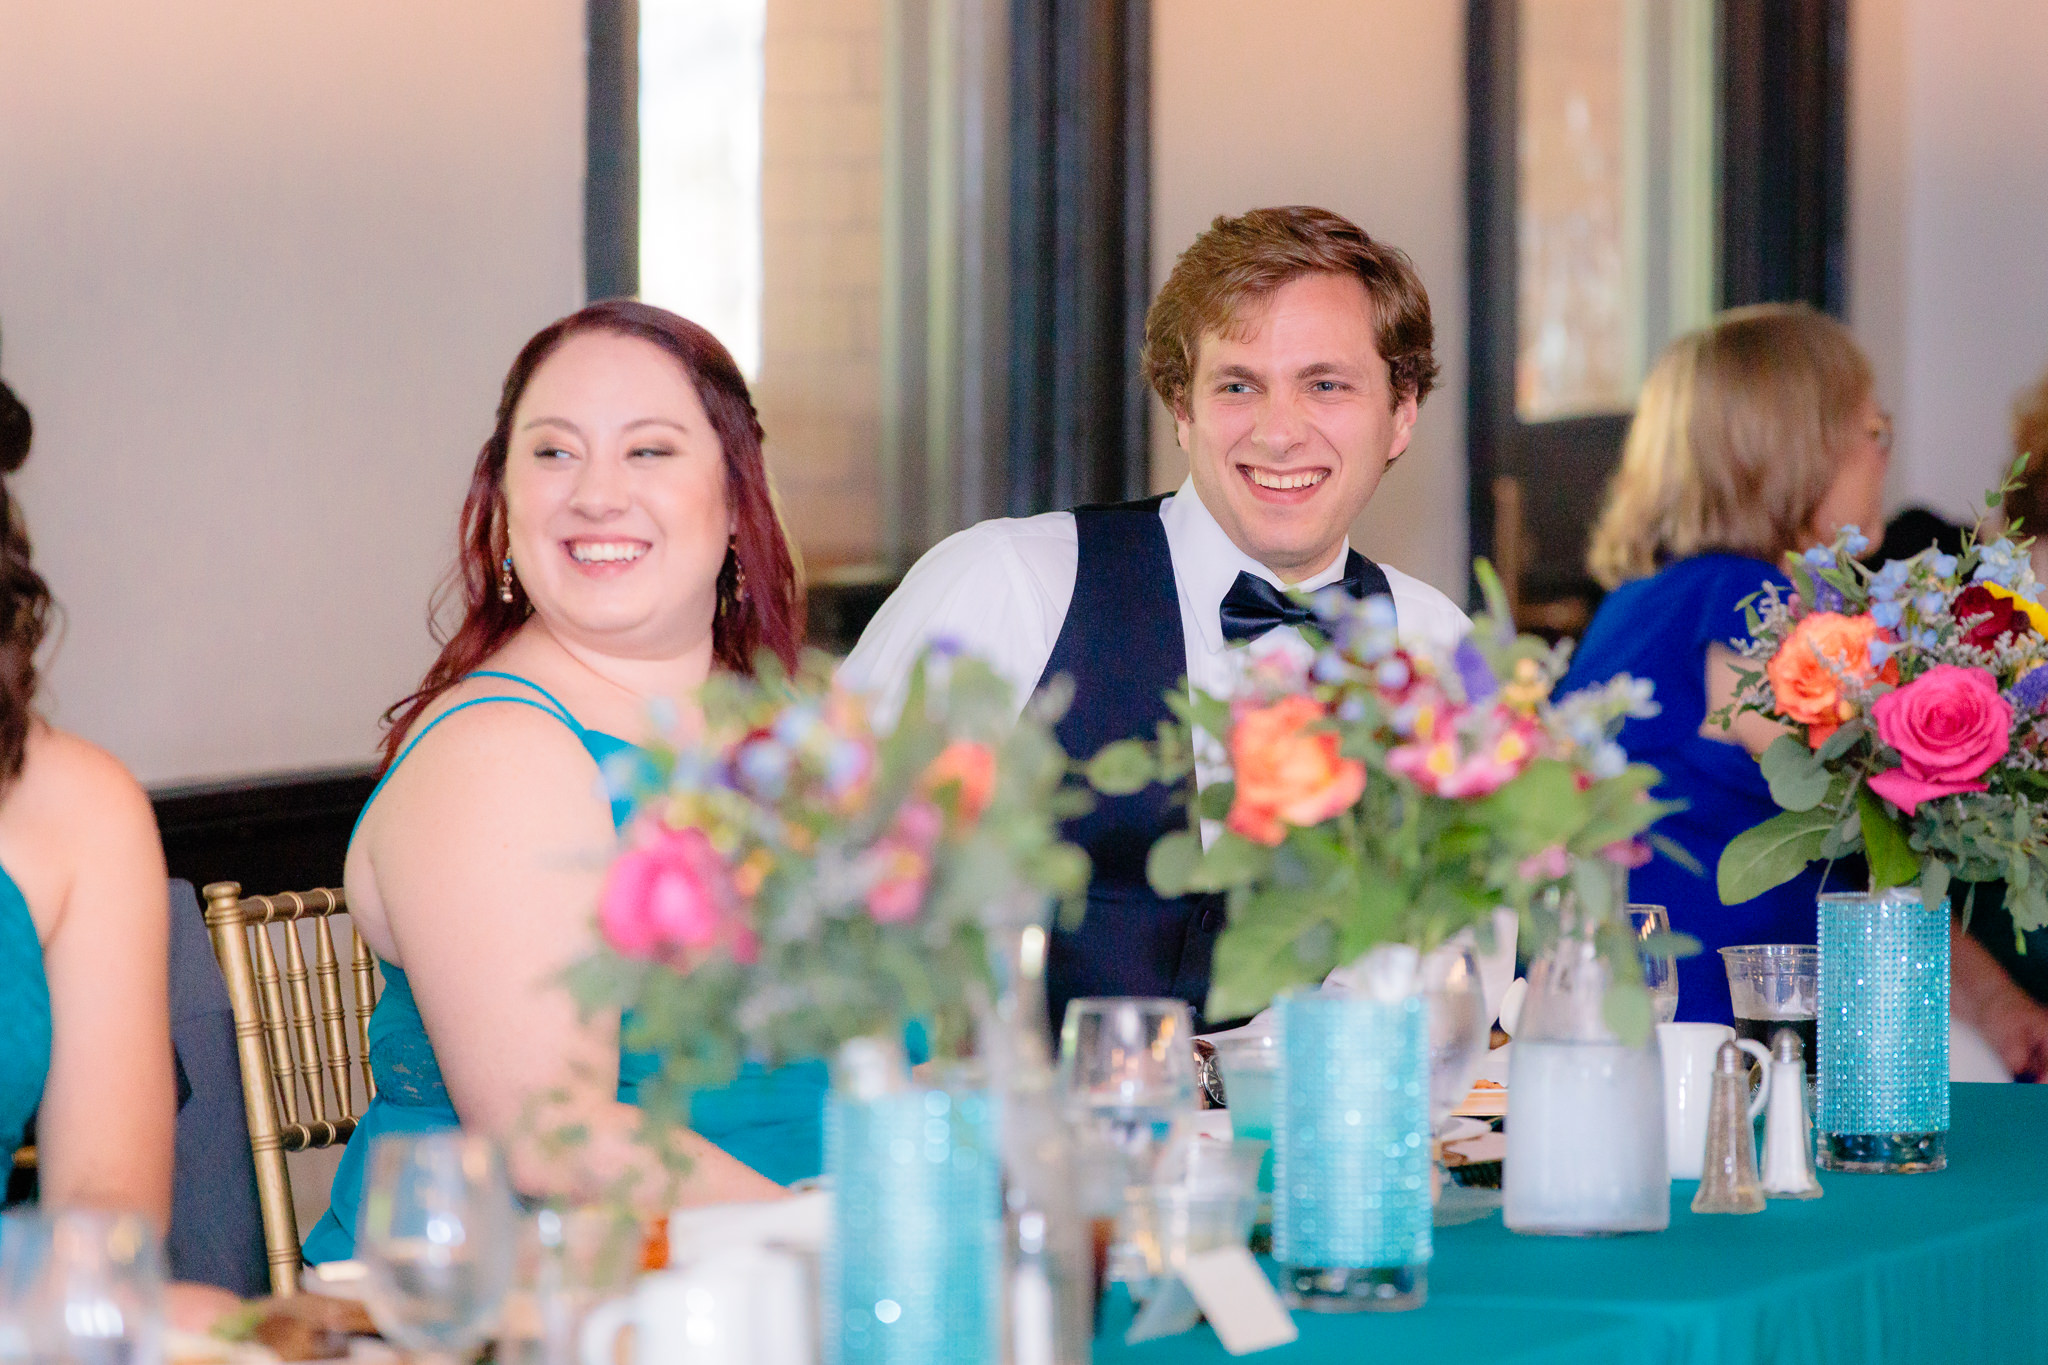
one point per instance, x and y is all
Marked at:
(559, 709)
(428, 729)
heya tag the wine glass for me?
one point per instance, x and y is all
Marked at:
(1660, 972)
(100, 1296)
(436, 1238)
(1458, 1026)
(1127, 1068)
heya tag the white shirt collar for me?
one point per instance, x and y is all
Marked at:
(1206, 561)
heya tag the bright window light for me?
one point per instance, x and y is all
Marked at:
(700, 166)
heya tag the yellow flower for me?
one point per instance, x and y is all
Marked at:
(2034, 611)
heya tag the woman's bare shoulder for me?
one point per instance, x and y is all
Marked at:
(73, 791)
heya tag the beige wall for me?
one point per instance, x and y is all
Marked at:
(262, 267)
(1357, 105)
(1948, 228)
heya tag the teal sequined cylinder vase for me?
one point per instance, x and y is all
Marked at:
(1351, 1201)
(1883, 1033)
(913, 1268)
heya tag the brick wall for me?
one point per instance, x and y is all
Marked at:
(819, 390)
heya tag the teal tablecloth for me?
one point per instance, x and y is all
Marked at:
(1921, 1269)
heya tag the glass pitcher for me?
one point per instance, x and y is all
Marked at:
(1585, 1149)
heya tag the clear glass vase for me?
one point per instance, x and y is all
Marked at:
(1883, 1033)
(1585, 1127)
(1048, 1259)
(911, 1270)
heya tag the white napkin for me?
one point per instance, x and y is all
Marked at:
(798, 1223)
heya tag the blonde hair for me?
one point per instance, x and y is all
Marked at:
(1737, 438)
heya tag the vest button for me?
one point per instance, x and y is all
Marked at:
(1212, 920)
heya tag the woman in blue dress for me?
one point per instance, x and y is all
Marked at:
(1754, 437)
(85, 1042)
(618, 544)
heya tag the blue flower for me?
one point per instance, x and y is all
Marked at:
(1351, 710)
(1924, 639)
(1881, 650)
(1854, 541)
(1394, 674)
(1329, 667)
(1887, 614)
(796, 725)
(2001, 563)
(1943, 565)
(2032, 688)
(1820, 557)
(945, 646)
(1930, 603)
(1889, 581)
(764, 768)
(1379, 612)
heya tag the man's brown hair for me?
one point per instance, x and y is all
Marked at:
(1242, 260)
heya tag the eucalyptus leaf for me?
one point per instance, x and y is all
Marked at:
(1799, 780)
(1892, 861)
(1837, 744)
(1231, 861)
(1171, 864)
(1626, 1008)
(1122, 768)
(1934, 879)
(1772, 853)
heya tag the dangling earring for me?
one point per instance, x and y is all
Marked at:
(505, 579)
(728, 605)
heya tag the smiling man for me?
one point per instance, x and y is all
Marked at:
(1294, 352)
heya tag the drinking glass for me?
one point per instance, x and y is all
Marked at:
(24, 1248)
(437, 1237)
(1458, 1027)
(1774, 986)
(1660, 971)
(1127, 1069)
(100, 1300)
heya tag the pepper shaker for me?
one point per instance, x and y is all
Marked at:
(1728, 1180)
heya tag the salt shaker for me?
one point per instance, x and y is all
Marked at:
(1728, 1181)
(1788, 1135)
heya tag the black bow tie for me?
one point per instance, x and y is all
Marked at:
(1253, 606)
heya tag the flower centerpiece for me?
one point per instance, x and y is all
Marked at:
(1387, 794)
(1369, 795)
(1915, 702)
(796, 884)
(1914, 699)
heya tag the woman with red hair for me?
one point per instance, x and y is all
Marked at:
(619, 543)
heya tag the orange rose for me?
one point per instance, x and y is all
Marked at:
(1808, 671)
(1288, 772)
(971, 769)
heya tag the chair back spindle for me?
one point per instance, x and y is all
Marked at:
(295, 1055)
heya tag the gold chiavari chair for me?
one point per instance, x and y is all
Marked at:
(295, 1053)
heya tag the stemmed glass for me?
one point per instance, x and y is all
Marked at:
(1660, 972)
(92, 1286)
(436, 1238)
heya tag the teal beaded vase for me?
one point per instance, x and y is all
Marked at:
(1351, 1166)
(912, 1271)
(1882, 1023)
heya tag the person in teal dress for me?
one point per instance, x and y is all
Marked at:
(618, 544)
(1756, 436)
(85, 1042)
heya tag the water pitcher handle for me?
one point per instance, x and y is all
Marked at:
(1756, 1101)
(599, 1338)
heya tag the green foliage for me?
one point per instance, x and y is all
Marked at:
(1891, 857)
(1799, 779)
(1772, 853)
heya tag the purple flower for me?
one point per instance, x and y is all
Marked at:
(1827, 597)
(2032, 689)
(1474, 673)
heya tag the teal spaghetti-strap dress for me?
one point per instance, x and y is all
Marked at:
(24, 1017)
(771, 1120)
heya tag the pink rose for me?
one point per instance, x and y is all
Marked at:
(1949, 726)
(903, 863)
(670, 898)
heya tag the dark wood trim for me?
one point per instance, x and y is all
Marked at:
(611, 176)
(1784, 152)
(277, 832)
(1491, 93)
(1080, 272)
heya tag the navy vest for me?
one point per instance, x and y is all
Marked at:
(1122, 645)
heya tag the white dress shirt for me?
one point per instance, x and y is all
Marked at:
(1000, 590)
